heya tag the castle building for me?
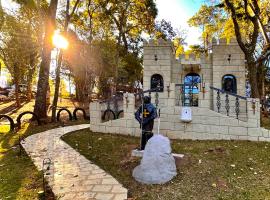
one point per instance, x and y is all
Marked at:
(212, 87)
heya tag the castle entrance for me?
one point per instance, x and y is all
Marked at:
(190, 90)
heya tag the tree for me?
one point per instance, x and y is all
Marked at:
(130, 18)
(212, 22)
(1, 15)
(12, 55)
(60, 57)
(43, 81)
(33, 23)
(247, 21)
(19, 51)
(196, 49)
(117, 26)
(250, 13)
(83, 61)
(165, 31)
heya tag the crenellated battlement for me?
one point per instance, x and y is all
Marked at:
(193, 59)
(159, 42)
(190, 59)
(224, 41)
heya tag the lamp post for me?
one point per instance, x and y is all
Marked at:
(60, 43)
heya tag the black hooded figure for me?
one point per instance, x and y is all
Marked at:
(149, 113)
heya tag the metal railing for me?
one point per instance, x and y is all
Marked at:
(112, 107)
(186, 96)
(230, 104)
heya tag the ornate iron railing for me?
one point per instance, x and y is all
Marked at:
(232, 107)
(187, 94)
(112, 107)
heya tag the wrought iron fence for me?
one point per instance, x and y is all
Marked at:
(112, 107)
(229, 104)
(187, 94)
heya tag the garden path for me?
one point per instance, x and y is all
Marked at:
(71, 175)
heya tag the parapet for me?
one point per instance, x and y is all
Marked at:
(224, 41)
(190, 59)
(159, 42)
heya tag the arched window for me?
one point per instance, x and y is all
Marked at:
(191, 89)
(229, 83)
(157, 81)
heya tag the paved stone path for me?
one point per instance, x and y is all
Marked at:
(71, 175)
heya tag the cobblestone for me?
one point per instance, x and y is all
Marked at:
(70, 174)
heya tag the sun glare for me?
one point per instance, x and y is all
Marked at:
(59, 41)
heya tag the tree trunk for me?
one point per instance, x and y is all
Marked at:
(253, 78)
(58, 68)
(40, 105)
(31, 71)
(261, 79)
(17, 96)
(29, 84)
(57, 85)
(16, 82)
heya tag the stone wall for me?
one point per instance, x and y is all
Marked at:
(223, 66)
(157, 59)
(206, 124)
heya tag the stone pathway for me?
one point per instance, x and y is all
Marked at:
(71, 175)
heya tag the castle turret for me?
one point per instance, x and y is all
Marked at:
(157, 61)
(229, 66)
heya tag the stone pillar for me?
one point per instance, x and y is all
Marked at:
(205, 96)
(95, 116)
(253, 113)
(129, 106)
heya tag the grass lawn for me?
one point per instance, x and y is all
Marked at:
(210, 169)
(19, 178)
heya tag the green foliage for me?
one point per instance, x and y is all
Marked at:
(130, 69)
(20, 44)
(164, 30)
(196, 49)
(109, 34)
(212, 20)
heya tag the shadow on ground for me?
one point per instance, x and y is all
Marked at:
(19, 178)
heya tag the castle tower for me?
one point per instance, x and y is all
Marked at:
(229, 66)
(157, 62)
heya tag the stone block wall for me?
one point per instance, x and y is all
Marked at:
(157, 59)
(222, 66)
(206, 124)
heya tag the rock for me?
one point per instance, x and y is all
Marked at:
(158, 164)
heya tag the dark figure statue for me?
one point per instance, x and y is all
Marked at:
(149, 113)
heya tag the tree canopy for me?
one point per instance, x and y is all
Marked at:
(248, 21)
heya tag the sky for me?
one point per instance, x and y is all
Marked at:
(178, 12)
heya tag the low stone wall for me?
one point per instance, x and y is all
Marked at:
(206, 124)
